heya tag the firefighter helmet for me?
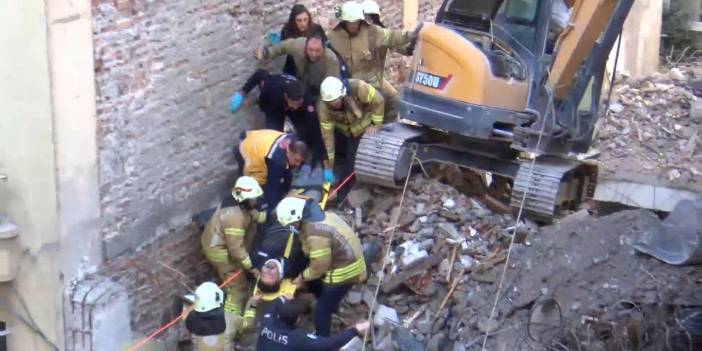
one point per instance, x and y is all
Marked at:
(208, 296)
(246, 188)
(289, 210)
(332, 88)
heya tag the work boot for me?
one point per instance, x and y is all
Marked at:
(234, 323)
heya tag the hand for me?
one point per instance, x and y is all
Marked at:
(273, 38)
(237, 100)
(258, 53)
(372, 130)
(299, 282)
(362, 327)
(255, 272)
(329, 176)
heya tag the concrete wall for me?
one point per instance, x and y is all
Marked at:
(27, 156)
(641, 37)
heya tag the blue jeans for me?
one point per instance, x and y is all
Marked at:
(328, 300)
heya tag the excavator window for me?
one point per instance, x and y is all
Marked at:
(519, 18)
(521, 11)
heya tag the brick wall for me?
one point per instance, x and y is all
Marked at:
(164, 74)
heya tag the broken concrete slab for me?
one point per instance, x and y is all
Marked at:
(696, 110)
(651, 196)
(385, 314)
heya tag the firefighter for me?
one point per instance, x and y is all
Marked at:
(300, 24)
(269, 156)
(361, 47)
(351, 109)
(313, 62)
(335, 255)
(206, 322)
(278, 330)
(225, 240)
(284, 96)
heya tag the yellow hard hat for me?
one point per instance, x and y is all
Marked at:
(331, 89)
(351, 11)
(246, 188)
(208, 296)
(370, 7)
(289, 210)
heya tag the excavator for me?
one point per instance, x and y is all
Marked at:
(495, 87)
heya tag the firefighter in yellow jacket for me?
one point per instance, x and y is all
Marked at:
(362, 47)
(225, 240)
(352, 111)
(334, 251)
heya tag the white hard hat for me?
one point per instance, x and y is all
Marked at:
(208, 296)
(289, 210)
(332, 88)
(246, 188)
(370, 7)
(351, 11)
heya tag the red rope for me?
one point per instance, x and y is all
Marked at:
(346, 180)
(158, 331)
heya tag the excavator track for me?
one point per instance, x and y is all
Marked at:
(384, 158)
(553, 185)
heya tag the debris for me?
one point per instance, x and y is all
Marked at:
(449, 204)
(405, 340)
(421, 265)
(412, 252)
(676, 74)
(485, 325)
(354, 297)
(449, 230)
(356, 344)
(385, 314)
(448, 295)
(358, 197)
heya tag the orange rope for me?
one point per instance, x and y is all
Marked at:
(158, 331)
(346, 180)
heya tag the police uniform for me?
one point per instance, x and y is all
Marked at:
(225, 240)
(262, 155)
(336, 258)
(271, 101)
(310, 73)
(276, 335)
(364, 55)
(363, 107)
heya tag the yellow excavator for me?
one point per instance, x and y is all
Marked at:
(496, 86)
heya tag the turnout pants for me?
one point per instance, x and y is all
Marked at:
(237, 294)
(392, 100)
(329, 297)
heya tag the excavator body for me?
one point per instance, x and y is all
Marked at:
(498, 86)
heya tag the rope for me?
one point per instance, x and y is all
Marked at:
(346, 180)
(185, 312)
(550, 109)
(387, 248)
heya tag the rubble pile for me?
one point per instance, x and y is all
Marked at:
(575, 285)
(443, 242)
(649, 128)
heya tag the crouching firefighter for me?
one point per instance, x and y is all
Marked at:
(334, 251)
(206, 322)
(278, 330)
(225, 241)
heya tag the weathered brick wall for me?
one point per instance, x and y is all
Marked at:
(164, 73)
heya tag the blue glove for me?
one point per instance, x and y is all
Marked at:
(237, 100)
(273, 37)
(329, 176)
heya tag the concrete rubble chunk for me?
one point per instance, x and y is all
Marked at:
(354, 297)
(356, 344)
(359, 197)
(385, 314)
(487, 326)
(405, 341)
(449, 230)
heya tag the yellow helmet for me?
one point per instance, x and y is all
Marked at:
(351, 11)
(370, 7)
(331, 89)
(289, 210)
(246, 188)
(208, 296)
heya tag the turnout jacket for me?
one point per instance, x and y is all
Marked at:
(363, 106)
(334, 251)
(229, 233)
(275, 335)
(364, 53)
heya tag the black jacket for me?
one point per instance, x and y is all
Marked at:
(274, 335)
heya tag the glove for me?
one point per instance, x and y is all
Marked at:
(329, 176)
(235, 104)
(273, 38)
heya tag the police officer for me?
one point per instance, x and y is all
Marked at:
(278, 330)
(284, 96)
(351, 109)
(206, 322)
(269, 156)
(362, 48)
(225, 240)
(334, 251)
(313, 62)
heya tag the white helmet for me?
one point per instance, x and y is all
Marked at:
(332, 88)
(351, 11)
(289, 210)
(246, 188)
(370, 7)
(208, 296)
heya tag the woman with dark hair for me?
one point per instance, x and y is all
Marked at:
(300, 24)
